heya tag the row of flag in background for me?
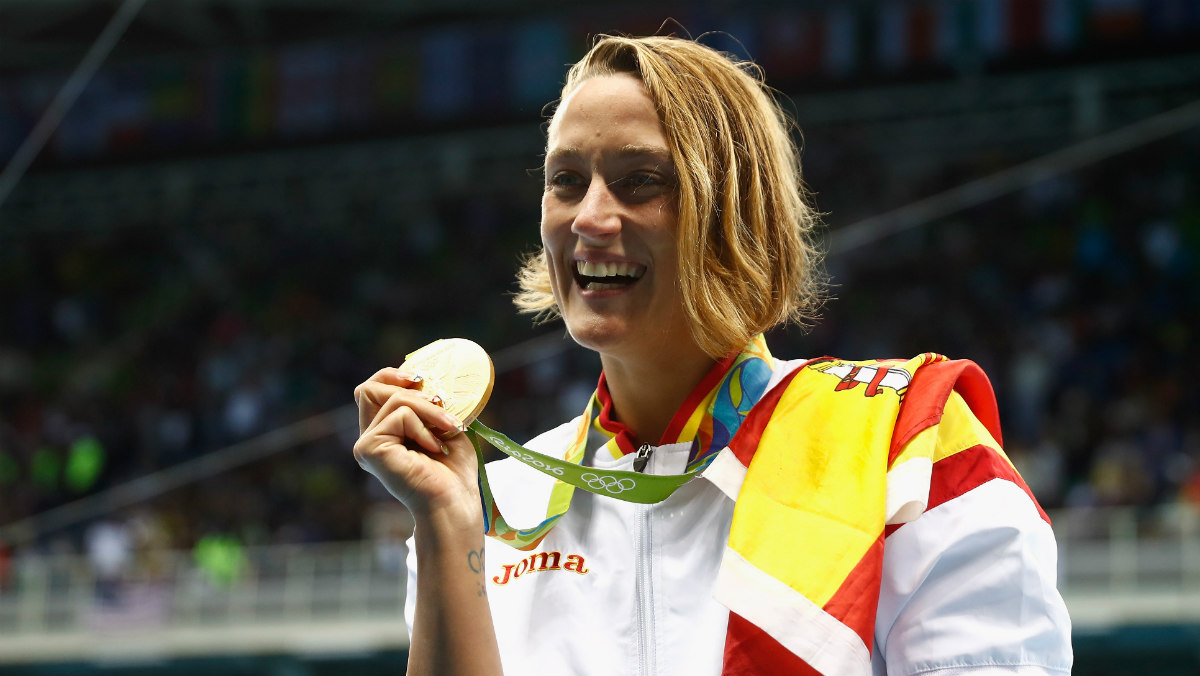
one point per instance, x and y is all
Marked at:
(479, 73)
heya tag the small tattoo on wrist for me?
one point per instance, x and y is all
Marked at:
(475, 560)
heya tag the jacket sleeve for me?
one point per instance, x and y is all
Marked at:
(969, 587)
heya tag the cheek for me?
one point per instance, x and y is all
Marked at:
(666, 237)
(548, 231)
(555, 231)
(550, 254)
(552, 275)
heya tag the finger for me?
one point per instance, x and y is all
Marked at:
(391, 376)
(460, 450)
(406, 424)
(451, 432)
(372, 395)
(385, 455)
(394, 376)
(431, 415)
(428, 406)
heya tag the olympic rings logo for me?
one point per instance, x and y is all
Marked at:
(610, 484)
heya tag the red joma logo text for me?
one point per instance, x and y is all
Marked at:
(539, 562)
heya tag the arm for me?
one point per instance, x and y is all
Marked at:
(970, 586)
(416, 450)
(452, 632)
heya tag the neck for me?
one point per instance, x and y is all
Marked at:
(647, 392)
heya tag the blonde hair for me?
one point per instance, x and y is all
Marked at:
(747, 261)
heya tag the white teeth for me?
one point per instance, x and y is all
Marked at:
(608, 269)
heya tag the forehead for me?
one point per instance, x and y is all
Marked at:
(606, 108)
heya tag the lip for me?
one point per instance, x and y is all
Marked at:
(598, 257)
(597, 294)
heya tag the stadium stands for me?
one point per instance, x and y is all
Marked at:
(165, 313)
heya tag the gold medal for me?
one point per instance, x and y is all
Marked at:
(457, 370)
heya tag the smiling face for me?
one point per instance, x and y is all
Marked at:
(609, 222)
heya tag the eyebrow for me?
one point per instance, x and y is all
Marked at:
(631, 150)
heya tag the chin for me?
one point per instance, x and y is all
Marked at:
(599, 336)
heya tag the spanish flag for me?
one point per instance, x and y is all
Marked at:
(828, 463)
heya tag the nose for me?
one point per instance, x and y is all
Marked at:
(599, 215)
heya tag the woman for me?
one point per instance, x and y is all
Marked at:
(674, 233)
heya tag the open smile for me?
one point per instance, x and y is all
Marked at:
(606, 275)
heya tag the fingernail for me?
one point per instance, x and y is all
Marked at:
(445, 449)
(415, 378)
(436, 400)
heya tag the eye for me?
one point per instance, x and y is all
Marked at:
(643, 184)
(562, 180)
(642, 180)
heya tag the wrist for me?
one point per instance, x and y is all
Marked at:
(451, 526)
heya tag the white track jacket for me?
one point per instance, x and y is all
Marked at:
(622, 588)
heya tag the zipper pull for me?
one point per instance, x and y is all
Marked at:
(642, 457)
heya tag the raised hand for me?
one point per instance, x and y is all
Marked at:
(416, 448)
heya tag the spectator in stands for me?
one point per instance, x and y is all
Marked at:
(5, 567)
(110, 553)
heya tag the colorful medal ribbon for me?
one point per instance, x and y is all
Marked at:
(730, 390)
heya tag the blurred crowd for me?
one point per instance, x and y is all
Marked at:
(125, 351)
(1079, 296)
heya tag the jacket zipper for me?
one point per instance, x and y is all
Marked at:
(642, 457)
(642, 587)
(645, 571)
